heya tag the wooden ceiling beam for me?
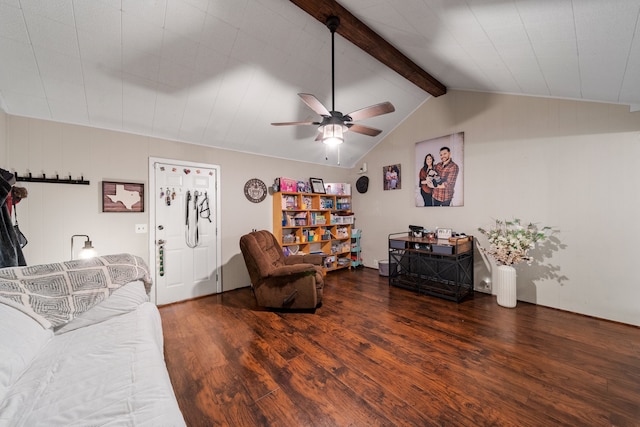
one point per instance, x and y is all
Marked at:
(354, 30)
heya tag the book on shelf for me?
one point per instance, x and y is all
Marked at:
(289, 202)
(306, 202)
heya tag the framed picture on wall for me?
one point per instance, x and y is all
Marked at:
(122, 197)
(391, 177)
(317, 185)
(440, 171)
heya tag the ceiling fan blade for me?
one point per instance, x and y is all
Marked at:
(294, 123)
(314, 104)
(365, 130)
(372, 111)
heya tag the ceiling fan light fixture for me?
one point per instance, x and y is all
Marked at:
(334, 124)
(333, 134)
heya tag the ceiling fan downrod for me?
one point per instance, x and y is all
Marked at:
(332, 23)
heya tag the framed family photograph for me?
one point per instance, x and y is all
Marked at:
(317, 185)
(440, 171)
(122, 197)
(391, 177)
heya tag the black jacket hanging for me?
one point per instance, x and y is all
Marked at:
(10, 252)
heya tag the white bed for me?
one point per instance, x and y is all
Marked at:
(103, 368)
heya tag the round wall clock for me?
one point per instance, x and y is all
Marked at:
(255, 190)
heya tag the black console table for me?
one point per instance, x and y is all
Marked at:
(442, 268)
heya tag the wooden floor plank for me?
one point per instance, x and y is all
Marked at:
(375, 355)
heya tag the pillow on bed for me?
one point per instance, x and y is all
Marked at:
(21, 339)
(124, 300)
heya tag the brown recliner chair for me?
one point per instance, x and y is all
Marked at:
(292, 282)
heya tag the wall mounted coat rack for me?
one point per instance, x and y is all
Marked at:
(56, 180)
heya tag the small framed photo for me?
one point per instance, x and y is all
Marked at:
(443, 233)
(391, 177)
(122, 197)
(317, 185)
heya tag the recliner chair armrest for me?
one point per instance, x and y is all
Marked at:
(290, 270)
(314, 259)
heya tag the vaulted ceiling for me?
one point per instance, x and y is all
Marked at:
(218, 72)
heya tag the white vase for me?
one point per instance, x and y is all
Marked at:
(506, 286)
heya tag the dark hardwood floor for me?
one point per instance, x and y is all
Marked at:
(379, 356)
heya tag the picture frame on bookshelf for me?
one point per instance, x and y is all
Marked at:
(338, 188)
(317, 185)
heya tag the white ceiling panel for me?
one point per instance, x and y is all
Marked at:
(150, 12)
(218, 72)
(138, 105)
(57, 66)
(218, 34)
(65, 91)
(53, 35)
(57, 10)
(12, 25)
(21, 104)
(98, 17)
(66, 110)
(184, 19)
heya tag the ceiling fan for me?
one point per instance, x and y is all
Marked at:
(334, 124)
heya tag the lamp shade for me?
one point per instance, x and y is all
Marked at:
(332, 134)
(87, 251)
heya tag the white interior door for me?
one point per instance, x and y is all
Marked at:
(184, 229)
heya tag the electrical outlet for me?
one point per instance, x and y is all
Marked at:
(485, 286)
(141, 228)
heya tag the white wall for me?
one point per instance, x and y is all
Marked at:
(54, 212)
(570, 165)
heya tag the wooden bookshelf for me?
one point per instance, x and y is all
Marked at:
(314, 223)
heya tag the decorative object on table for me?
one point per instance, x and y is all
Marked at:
(255, 190)
(509, 244)
(416, 230)
(443, 233)
(317, 185)
(439, 164)
(123, 197)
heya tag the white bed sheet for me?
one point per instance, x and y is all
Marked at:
(122, 301)
(110, 374)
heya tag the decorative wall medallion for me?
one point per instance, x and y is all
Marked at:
(255, 190)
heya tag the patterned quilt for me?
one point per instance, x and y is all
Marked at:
(54, 294)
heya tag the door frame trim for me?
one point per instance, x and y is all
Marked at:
(153, 259)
